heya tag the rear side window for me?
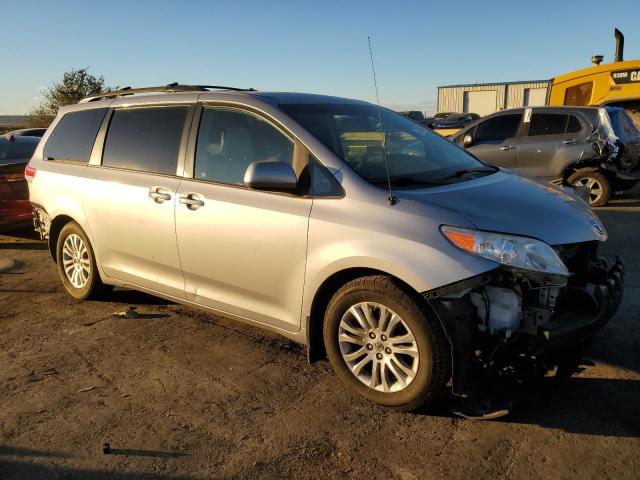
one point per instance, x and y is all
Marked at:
(553, 124)
(145, 139)
(578, 94)
(73, 136)
(497, 129)
(548, 124)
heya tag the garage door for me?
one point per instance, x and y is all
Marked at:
(534, 97)
(481, 102)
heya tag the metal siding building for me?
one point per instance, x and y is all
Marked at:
(486, 98)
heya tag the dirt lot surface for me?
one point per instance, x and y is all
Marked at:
(179, 393)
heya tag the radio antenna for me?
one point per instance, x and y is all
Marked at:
(391, 199)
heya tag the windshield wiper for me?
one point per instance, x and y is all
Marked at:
(466, 171)
(405, 181)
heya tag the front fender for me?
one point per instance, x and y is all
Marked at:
(405, 244)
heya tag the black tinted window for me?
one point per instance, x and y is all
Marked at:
(548, 124)
(16, 150)
(230, 140)
(574, 125)
(497, 129)
(73, 137)
(145, 139)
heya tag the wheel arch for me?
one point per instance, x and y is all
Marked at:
(315, 319)
(57, 224)
(586, 165)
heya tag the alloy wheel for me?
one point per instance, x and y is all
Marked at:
(378, 347)
(595, 188)
(75, 260)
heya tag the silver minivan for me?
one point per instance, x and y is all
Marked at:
(344, 226)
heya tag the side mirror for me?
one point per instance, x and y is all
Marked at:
(269, 175)
(467, 141)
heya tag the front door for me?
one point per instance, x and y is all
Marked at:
(130, 198)
(495, 140)
(243, 251)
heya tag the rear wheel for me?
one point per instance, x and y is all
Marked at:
(383, 343)
(77, 264)
(598, 184)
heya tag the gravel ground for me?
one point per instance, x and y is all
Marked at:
(179, 393)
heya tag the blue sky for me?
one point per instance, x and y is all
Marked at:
(311, 46)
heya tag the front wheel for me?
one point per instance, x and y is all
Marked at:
(77, 264)
(385, 344)
(598, 184)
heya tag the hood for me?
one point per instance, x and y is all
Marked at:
(520, 205)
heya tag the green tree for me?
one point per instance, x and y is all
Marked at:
(75, 85)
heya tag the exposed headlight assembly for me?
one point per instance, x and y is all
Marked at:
(513, 251)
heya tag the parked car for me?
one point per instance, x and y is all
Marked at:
(419, 117)
(15, 152)
(455, 120)
(450, 123)
(404, 259)
(579, 146)
(27, 132)
(414, 115)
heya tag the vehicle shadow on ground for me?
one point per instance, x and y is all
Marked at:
(586, 406)
(23, 246)
(40, 464)
(29, 470)
(134, 298)
(577, 405)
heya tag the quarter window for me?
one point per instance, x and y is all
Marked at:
(497, 129)
(230, 140)
(578, 94)
(145, 139)
(574, 125)
(73, 136)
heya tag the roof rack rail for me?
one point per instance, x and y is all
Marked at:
(170, 88)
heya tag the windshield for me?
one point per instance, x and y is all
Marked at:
(414, 154)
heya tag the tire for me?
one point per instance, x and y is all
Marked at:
(81, 278)
(428, 360)
(599, 183)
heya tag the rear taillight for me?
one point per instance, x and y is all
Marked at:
(29, 171)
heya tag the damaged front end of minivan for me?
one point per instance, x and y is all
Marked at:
(529, 316)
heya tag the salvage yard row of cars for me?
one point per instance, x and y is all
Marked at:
(597, 149)
(407, 261)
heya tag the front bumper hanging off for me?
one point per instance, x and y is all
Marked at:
(555, 321)
(588, 308)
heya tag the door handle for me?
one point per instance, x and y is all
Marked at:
(508, 147)
(159, 194)
(570, 141)
(193, 201)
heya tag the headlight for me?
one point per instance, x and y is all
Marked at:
(511, 250)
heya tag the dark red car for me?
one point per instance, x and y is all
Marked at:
(15, 152)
